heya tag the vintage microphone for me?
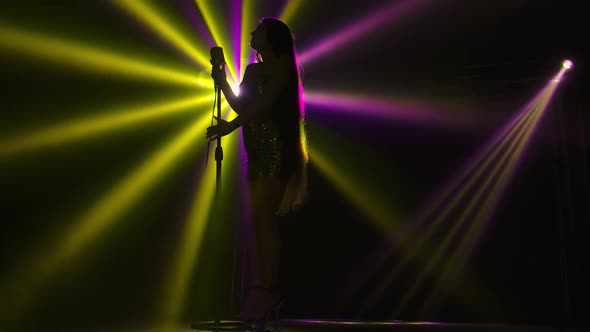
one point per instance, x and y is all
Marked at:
(217, 58)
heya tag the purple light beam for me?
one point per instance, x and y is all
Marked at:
(357, 29)
(392, 109)
(236, 18)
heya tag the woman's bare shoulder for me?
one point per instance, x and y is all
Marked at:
(253, 70)
(254, 67)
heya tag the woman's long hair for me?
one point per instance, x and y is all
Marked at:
(290, 117)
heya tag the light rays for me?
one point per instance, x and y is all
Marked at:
(187, 256)
(87, 57)
(109, 209)
(489, 199)
(389, 109)
(211, 18)
(359, 28)
(480, 195)
(470, 194)
(476, 187)
(236, 33)
(289, 11)
(384, 216)
(92, 225)
(85, 128)
(87, 228)
(143, 12)
(188, 249)
(360, 198)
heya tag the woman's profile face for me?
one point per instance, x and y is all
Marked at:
(258, 40)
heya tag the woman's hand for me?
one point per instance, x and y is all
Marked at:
(221, 129)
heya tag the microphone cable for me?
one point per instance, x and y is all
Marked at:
(212, 117)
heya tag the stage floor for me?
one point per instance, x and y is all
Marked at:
(336, 325)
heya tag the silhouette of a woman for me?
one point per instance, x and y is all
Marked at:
(270, 112)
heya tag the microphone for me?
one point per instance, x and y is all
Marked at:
(217, 58)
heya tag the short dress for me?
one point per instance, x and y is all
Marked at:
(261, 136)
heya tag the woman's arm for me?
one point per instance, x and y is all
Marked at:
(277, 81)
(219, 76)
(232, 99)
(275, 85)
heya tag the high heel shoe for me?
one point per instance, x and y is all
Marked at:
(261, 304)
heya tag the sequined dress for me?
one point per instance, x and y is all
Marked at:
(261, 137)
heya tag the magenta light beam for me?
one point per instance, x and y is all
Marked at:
(357, 29)
(505, 173)
(237, 34)
(389, 109)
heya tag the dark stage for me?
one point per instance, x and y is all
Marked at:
(448, 176)
(327, 325)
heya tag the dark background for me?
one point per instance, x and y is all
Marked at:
(486, 57)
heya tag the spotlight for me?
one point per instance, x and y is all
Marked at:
(235, 88)
(567, 64)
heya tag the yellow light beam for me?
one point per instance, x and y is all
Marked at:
(102, 216)
(88, 57)
(145, 13)
(92, 126)
(382, 217)
(205, 82)
(212, 22)
(290, 10)
(186, 260)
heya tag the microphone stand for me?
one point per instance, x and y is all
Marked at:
(217, 198)
(218, 149)
(216, 324)
(216, 206)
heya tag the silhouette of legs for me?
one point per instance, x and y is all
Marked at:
(265, 195)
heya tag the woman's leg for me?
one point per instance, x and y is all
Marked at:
(266, 193)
